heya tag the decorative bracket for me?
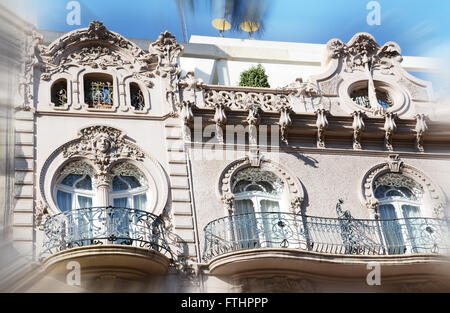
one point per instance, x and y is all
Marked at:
(389, 127)
(421, 127)
(322, 125)
(358, 127)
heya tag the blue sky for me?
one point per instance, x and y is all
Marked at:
(421, 28)
(417, 26)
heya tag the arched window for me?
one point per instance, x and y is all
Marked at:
(129, 187)
(401, 202)
(59, 93)
(136, 97)
(361, 98)
(74, 187)
(257, 195)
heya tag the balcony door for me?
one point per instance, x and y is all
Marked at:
(257, 208)
(400, 213)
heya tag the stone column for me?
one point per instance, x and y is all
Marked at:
(103, 182)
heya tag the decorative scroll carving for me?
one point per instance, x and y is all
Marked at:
(420, 181)
(322, 125)
(389, 128)
(168, 51)
(102, 145)
(128, 169)
(358, 127)
(228, 202)
(421, 127)
(97, 47)
(395, 163)
(363, 54)
(227, 178)
(190, 85)
(309, 94)
(295, 205)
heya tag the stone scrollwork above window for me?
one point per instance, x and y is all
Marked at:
(103, 145)
(97, 48)
(266, 171)
(396, 173)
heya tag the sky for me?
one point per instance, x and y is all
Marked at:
(421, 28)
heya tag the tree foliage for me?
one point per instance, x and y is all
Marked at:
(254, 77)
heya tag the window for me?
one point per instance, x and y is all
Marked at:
(129, 187)
(257, 206)
(136, 97)
(361, 98)
(59, 93)
(74, 190)
(400, 210)
(98, 91)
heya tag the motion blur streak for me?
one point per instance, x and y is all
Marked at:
(13, 37)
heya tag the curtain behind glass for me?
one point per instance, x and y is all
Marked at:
(391, 229)
(64, 200)
(269, 223)
(140, 202)
(417, 237)
(121, 223)
(246, 224)
(84, 220)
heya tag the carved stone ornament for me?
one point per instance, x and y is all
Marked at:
(415, 179)
(103, 145)
(168, 50)
(41, 214)
(421, 127)
(189, 86)
(285, 121)
(362, 53)
(96, 47)
(31, 46)
(295, 205)
(358, 127)
(322, 125)
(275, 173)
(228, 202)
(389, 128)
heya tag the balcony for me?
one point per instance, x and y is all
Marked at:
(116, 242)
(284, 241)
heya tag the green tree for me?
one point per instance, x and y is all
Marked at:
(254, 77)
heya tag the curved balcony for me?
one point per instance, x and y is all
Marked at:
(122, 242)
(283, 240)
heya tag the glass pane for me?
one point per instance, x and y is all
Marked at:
(134, 183)
(417, 235)
(246, 225)
(120, 202)
(140, 202)
(64, 200)
(274, 234)
(118, 184)
(394, 193)
(84, 202)
(70, 179)
(391, 229)
(85, 183)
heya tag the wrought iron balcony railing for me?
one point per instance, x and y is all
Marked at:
(106, 225)
(344, 235)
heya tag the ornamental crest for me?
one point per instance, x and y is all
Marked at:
(103, 145)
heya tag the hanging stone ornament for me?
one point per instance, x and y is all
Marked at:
(389, 127)
(220, 118)
(187, 118)
(421, 127)
(285, 121)
(322, 125)
(253, 120)
(358, 127)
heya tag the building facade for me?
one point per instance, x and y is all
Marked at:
(146, 170)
